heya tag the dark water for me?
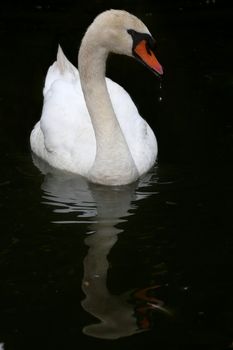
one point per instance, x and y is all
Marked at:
(149, 263)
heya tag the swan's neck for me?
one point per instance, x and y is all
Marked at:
(113, 164)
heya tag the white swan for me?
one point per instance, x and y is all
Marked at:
(89, 124)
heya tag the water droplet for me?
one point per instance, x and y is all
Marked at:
(90, 232)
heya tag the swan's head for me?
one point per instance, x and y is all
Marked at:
(121, 32)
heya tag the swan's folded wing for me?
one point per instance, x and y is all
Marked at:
(138, 134)
(64, 137)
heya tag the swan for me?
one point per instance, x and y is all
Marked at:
(89, 124)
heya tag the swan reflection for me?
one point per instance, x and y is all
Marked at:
(102, 208)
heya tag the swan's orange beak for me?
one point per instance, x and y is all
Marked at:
(147, 56)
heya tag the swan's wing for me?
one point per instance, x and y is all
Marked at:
(138, 134)
(66, 133)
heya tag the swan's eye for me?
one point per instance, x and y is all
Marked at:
(136, 36)
(151, 44)
(144, 49)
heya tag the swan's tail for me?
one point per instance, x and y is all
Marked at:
(63, 64)
(62, 69)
